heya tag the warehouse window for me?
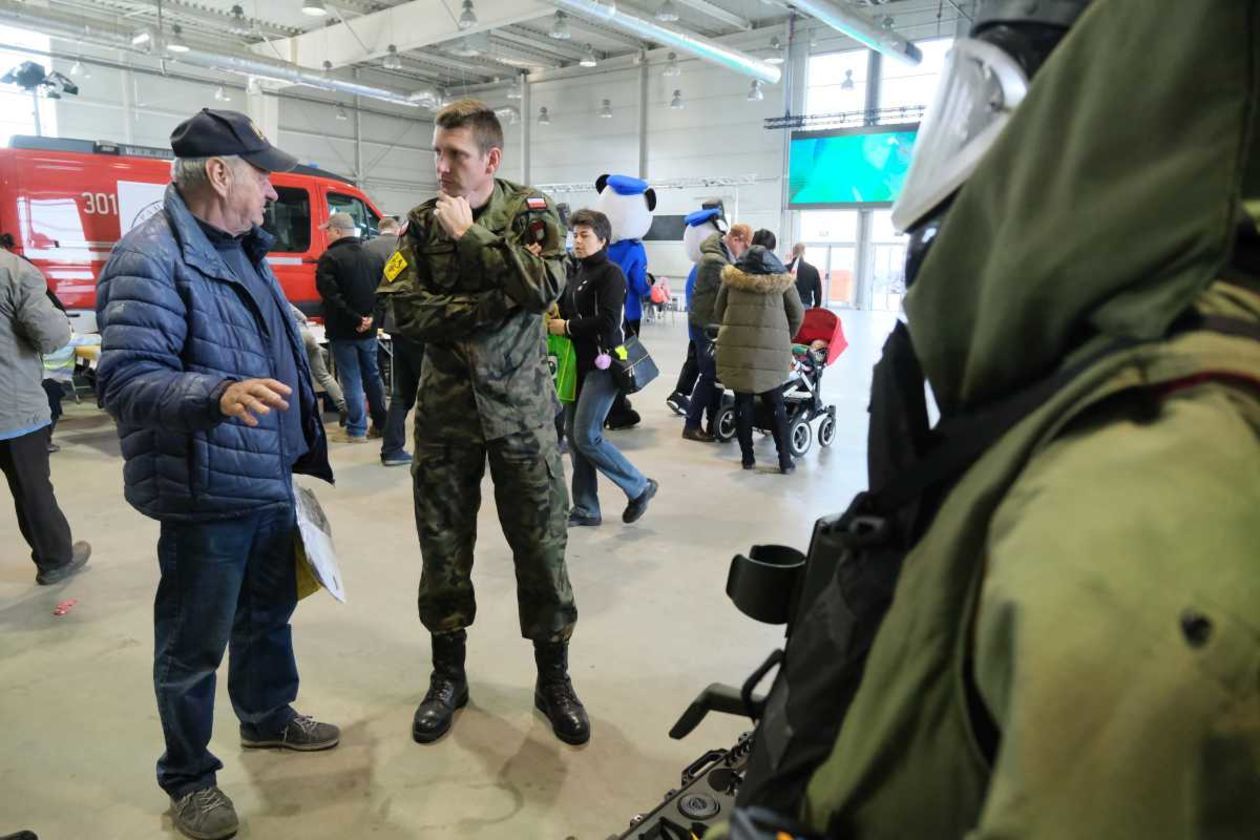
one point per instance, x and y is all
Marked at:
(912, 86)
(837, 82)
(289, 220)
(17, 106)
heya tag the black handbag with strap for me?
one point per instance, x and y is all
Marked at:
(632, 366)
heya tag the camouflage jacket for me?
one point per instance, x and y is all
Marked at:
(476, 304)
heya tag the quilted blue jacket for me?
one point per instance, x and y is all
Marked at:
(176, 328)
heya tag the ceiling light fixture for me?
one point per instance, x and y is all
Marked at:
(314, 8)
(671, 66)
(468, 17)
(141, 38)
(560, 27)
(221, 95)
(514, 90)
(847, 84)
(176, 44)
(472, 45)
(342, 114)
(605, 110)
(76, 69)
(543, 118)
(588, 57)
(392, 61)
(666, 12)
(239, 25)
(755, 93)
(327, 68)
(776, 51)
(676, 103)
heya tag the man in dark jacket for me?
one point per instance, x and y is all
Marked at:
(407, 356)
(347, 277)
(717, 252)
(203, 368)
(30, 325)
(808, 283)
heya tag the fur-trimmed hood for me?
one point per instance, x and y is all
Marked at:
(762, 284)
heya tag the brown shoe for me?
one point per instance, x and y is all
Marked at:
(697, 435)
(343, 436)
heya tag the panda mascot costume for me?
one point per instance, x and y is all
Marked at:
(700, 225)
(628, 203)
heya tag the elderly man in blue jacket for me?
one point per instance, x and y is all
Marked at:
(203, 368)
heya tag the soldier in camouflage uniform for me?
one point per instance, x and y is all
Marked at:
(475, 270)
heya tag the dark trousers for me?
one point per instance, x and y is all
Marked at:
(745, 413)
(706, 397)
(24, 461)
(226, 583)
(621, 403)
(53, 389)
(533, 505)
(359, 373)
(405, 379)
(690, 371)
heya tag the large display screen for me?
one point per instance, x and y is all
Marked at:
(849, 167)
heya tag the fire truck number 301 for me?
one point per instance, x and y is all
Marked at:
(100, 204)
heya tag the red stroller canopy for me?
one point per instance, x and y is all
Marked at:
(823, 325)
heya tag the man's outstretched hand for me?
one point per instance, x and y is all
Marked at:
(253, 396)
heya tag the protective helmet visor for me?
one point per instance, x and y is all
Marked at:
(980, 88)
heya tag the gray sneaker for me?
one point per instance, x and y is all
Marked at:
(304, 734)
(205, 814)
(79, 555)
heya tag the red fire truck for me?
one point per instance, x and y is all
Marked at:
(64, 203)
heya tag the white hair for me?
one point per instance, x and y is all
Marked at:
(189, 174)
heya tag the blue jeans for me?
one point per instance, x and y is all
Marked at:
(358, 371)
(591, 451)
(228, 582)
(706, 397)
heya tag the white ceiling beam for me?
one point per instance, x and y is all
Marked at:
(708, 9)
(408, 26)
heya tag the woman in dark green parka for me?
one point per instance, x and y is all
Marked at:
(760, 311)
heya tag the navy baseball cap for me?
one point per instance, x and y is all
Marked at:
(210, 133)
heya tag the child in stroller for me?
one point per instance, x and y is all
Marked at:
(819, 342)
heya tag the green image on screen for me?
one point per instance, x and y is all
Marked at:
(858, 168)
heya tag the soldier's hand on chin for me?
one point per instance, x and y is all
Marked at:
(253, 396)
(453, 214)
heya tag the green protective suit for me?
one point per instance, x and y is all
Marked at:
(1073, 649)
(486, 397)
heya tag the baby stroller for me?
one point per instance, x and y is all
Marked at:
(818, 343)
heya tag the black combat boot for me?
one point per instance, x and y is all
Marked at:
(554, 695)
(448, 688)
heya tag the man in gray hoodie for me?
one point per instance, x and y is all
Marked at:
(30, 325)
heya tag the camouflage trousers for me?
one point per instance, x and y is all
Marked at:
(533, 504)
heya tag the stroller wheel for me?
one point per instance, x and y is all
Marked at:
(800, 437)
(827, 431)
(724, 423)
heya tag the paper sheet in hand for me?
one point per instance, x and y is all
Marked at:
(316, 536)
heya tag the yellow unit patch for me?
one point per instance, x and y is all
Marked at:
(395, 266)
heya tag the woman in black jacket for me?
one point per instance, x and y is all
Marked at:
(590, 311)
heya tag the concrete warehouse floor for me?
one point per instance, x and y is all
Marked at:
(81, 733)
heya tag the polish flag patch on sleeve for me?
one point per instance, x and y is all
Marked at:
(536, 202)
